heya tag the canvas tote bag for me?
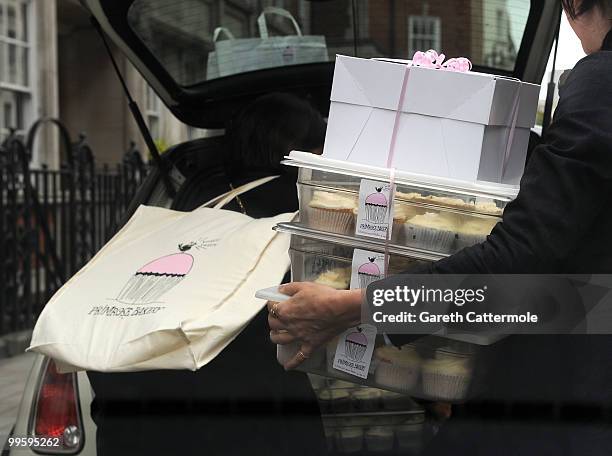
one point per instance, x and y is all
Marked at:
(242, 55)
(169, 291)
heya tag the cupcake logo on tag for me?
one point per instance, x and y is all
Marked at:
(354, 350)
(367, 267)
(375, 209)
(159, 276)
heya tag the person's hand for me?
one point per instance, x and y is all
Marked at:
(313, 315)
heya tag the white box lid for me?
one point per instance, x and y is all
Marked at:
(471, 97)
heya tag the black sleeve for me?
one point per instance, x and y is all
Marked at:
(564, 187)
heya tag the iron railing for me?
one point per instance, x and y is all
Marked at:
(52, 221)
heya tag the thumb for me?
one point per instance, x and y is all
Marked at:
(290, 289)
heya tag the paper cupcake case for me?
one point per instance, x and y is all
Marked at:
(375, 214)
(443, 386)
(332, 220)
(442, 241)
(401, 378)
(367, 279)
(468, 240)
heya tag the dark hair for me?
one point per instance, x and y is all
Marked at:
(585, 6)
(269, 128)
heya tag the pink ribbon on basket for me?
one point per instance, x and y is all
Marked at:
(428, 59)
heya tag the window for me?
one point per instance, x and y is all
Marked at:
(153, 113)
(423, 34)
(15, 86)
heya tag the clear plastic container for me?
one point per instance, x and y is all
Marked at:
(441, 217)
(324, 262)
(326, 258)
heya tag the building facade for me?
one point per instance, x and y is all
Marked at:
(53, 63)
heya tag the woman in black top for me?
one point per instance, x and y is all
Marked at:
(242, 402)
(560, 222)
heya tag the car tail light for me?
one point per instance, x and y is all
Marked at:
(56, 413)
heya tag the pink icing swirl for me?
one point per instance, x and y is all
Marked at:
(175, 264)
(357, 338)
(369, 268)
(377, 199)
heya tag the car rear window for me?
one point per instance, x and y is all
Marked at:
(181, 33)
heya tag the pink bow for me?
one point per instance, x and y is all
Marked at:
(431, 59)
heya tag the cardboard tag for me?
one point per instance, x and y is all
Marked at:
(354, 350)
(367, 268)
(375, 209)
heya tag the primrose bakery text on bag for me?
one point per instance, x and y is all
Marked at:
(170, 291)
(234, 56)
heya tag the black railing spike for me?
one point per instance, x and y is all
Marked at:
(72, 210)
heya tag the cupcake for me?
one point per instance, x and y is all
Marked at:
(332, 212)
(447, 376)
(409, 434)
(432, 231)
(474, 231)
(379, 439)
(376, 206)
(397, 368)
(334, 400)
(366, 399)
(488, 207)
(368, 272)
(157, 277)
(349, 440)
(355, 345)
(395, 401)
(330, 354)
(338, 278)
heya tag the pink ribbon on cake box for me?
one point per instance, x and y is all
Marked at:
(428, 59)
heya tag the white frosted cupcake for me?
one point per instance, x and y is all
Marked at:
(432, 231)
(366, 399)
(350, 440)
(396, 401)
(474, 231)
(447, 376)
(333, 212)
(397, 368)
(379, 439)
(335, 400)
(338, 278)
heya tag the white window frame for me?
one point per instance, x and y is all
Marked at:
(153, 112)
(423, 41)
(26, 90)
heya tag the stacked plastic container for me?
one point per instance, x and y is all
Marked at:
(432, 218)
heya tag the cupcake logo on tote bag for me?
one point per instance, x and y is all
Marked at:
(375, 209)
(157, 277)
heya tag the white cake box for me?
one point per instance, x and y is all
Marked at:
(452, 124)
